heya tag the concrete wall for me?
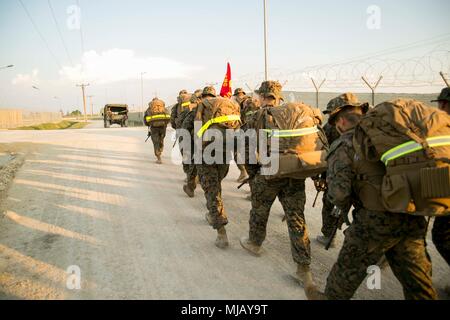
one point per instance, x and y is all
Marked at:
(135, 119)
(13, 118)
(324, 97)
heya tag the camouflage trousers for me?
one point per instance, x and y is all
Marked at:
(441, 236)
(211, 177)
(158, 135)
(191, 175)
(291, 194)
(236, 153)
(328, 220)
(400, 237)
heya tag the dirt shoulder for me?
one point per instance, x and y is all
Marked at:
(12, 156)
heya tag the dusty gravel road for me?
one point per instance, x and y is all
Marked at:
(94, 198)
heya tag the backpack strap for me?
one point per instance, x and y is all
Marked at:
(414, 134)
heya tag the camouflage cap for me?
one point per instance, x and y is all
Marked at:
(209, 91)
(336, 105)
(238, 91)
(270, 89)
(444, 96)
(198, 93)
(183, 92)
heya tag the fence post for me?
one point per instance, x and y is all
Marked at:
(317, 87)
(373, 88)
(444, 78)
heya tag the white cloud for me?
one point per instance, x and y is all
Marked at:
(25, 79)
(121, 64)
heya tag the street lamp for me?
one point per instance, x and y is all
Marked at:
(5, 67)
(60, 102)
(266, 72)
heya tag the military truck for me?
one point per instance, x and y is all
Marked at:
(115, 114)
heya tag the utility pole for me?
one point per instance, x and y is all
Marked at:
(83, 86)
(266, 70)
(92, 105)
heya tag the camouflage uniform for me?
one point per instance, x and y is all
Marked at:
(158, 134)
(327, 219)
(177, 117)
(400, 237)
(240, 100)
(290, 192)
(211, 175)
(441, 228)
(187, 118)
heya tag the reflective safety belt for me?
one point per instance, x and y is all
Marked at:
(292, 133)
(157, 117)
(412, 146)
(222, 119)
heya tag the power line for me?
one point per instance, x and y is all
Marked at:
(40, 34)
(59, 32)
(81, 31)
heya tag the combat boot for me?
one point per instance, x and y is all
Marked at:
(243, 176)
(158, 160)
(222, 238)
(383, 263)
(447, 290)
(250, 246)
(324, 241)
(209, 219)
(313, 293)
(189, 191)
(304, 276)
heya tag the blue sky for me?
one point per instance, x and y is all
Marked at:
(186, 44)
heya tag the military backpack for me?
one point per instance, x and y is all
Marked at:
(302, 144)
(412, 141)
(156, 115)
(218, 113)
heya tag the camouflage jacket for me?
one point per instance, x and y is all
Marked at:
(174, 116)
(340, 174)
(188, 120)
(331, 133)
(252, 123)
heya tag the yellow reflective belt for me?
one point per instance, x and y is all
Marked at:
(158, 116)
(186, 104)
(217, 120)
(292, 133)
(412, 146)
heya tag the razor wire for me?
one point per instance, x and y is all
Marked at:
(417, 71)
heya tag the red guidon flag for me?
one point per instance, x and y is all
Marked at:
(226, 91)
